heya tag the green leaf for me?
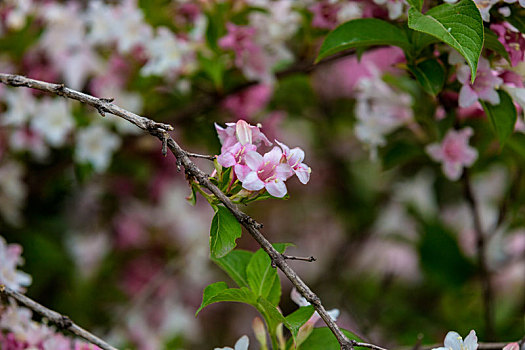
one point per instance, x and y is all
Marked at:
(234, 264)
(430, 74)
(219, 291)
(417, 4)
(261, 275)
(271, 314)
(492, 43)
(459, 25)
(502, 116)
(298, 318)
(225, 230)
(323, 339)
(362, 32)
(274, 296)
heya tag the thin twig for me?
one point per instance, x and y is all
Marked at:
(63, 322)
(482, 257)
(307, 259)
(203, 156)
(159, 130)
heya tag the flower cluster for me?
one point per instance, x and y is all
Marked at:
(254, 170)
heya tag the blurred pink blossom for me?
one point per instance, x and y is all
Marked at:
(248, 102)
(325, 14)
(512, 40)
(454, 152)
(248, 55)
(339, 79)
(484, 87)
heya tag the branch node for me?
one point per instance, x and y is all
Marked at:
(64, 322)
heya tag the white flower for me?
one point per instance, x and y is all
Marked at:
(453, 341)
(95, 145)
(20, 106)
(12, 192)
(167, 53)
(242, 344)
(379, 110)
(54, 121)
(10, 258)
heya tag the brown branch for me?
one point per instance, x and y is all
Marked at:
(159, 130)
(307, 259)
(62, 322)
(484, 271)
(203, 156)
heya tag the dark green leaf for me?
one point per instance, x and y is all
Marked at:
(362, 32)
(459, 25)
(492, 43)
(430, 74)
(219, 291)
(274, 296)
(298, 318)
(225, 230)
(502, 116)
(323, 339)
(234, 264)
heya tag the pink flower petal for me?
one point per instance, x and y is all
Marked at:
(276, 188)
(303, 173)
(452, 170)
(274, 156)
(435, 151)
(467, 96)
(253, 160)
(252, 182)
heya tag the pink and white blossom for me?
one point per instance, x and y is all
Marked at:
(266, 172)
(454, 152)
(483, 88)
(10, 259)
(294, 158)
(512, 40)
(453, 341)
(241, 344)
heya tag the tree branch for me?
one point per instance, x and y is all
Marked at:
(63, 322)
(160, 130)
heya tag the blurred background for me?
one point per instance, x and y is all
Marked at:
(110, 239)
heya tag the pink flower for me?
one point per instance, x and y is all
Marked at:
(484, 86)
(237, 140)
(512, 346)
(294, 158)
(248, 55)
(241, 132)
(325, 15)
(240, 39)
(266, 172)
(512, 40)
(248, 102)
(454, 152)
